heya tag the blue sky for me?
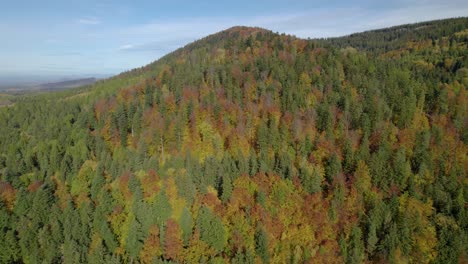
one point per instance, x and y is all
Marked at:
(84, 37)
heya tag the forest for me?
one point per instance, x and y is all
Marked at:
(249, 146)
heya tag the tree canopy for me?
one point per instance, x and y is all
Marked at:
(249, 146)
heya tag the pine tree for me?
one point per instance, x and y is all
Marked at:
(134, 240)
(186, 224)
(261, 245)
(212, 230)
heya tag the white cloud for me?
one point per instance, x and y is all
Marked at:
(126, 47)
(89, 21)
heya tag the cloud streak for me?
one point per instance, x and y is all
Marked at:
(89, 21)
(126, 47)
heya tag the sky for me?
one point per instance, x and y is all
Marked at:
(63, 38)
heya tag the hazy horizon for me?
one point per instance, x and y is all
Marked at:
(24, 80)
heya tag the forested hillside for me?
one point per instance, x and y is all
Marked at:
(249, 147)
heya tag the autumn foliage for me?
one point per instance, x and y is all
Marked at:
(249, 147)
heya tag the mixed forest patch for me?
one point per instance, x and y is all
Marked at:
(249, 147)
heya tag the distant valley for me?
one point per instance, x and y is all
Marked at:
(15, 86)
(8, 92)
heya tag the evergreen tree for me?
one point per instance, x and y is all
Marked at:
(261, 245)
(212, 230)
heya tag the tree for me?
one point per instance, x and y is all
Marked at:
(134, 240)
(98, 181)
(226, 188)
(186, 224)
(261, 245)
(149, 95)
(333, 168)
(152, 247)
(172, 241)
(355, 247)
(161, 208)
(212, 230)
(108, 236)
(122, 124)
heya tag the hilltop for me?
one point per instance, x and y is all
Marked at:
(249, 146)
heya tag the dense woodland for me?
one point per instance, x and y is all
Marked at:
(249, 147)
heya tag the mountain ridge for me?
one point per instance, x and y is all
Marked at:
(337, 41)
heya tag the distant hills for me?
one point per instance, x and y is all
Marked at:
(16, 85)
(67, 84)
(8, 92)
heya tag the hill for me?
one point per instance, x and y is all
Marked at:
(247, 147)
(394, 38)
(67, 84)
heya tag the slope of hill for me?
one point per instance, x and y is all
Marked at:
(5, 99)
(248, 147)
(397, 37)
